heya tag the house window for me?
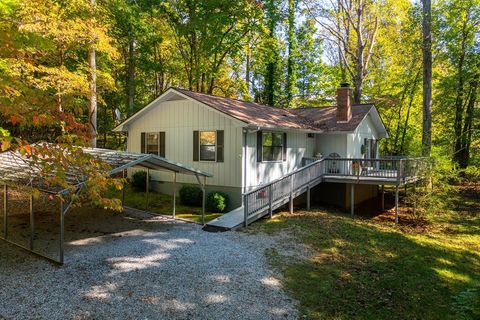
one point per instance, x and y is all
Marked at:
(153, 143)
(272, 146)
(208, 145)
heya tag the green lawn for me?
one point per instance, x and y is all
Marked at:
(162, 204)
(371, 269)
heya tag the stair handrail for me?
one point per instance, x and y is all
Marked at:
(285, 176)
(292, 190)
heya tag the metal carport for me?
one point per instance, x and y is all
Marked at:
(16, 171)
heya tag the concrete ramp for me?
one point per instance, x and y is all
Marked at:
(229, 221)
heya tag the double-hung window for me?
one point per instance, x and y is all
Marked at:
(273, 144)
(208, 145)
(153, 143)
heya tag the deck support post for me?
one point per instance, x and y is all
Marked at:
(308, 197)
(32, 222)
(352, 199)
(174, 194)
(291, 195)
(396, 203)
(383, 197)
(147, 187)
(270, 200)
(5, 211)
(415, 198)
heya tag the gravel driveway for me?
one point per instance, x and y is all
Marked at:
(150, 269)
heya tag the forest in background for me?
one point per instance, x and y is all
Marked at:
(59, 59)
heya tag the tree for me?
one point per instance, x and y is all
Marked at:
(343, 21)
(427, 77)
(292, 53)
(92, 62)
(207, 33)
(272, 71)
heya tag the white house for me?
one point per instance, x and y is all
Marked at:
(244, 144)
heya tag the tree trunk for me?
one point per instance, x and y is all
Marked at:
(459, 101)
(467, 128)
(131, 77)
(93, 90)
(291, 67)
(357, 92)
(427, 77)
(407, 118)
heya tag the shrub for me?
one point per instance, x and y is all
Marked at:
(138, 181)
(217, 201)
(191, 195)
(472, 174)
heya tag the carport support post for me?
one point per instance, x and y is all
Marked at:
(203, 199)
(396, 203)
(352, 199)
(62, 226)
(147, 187)
(123, 188)
(5, 211)
(174, 193)
(32, 222)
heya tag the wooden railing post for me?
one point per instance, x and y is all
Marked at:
(245, 211)
(270, 200)
(291, 193)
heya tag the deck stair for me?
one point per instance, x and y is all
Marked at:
(261, 201)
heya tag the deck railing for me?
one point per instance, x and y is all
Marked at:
(270, 196)
(401, 170)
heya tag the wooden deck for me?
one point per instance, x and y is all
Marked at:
(263, 200)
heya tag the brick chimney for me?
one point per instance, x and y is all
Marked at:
(344, 103)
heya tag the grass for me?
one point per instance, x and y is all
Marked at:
(163, 204)
(372, 269)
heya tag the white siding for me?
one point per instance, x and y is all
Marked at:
(331, 143)
(347, 145)
(258, 173)
(366, 130)
(179, 119)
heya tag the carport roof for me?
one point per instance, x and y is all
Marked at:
(16, 169)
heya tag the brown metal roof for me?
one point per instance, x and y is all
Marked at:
(317, 119)
(250, 112)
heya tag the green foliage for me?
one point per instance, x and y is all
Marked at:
(217, 201)
(467, 304)
(472, 174)
(139, 180)
(191, 195)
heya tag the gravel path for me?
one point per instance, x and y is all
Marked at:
(151, 269)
